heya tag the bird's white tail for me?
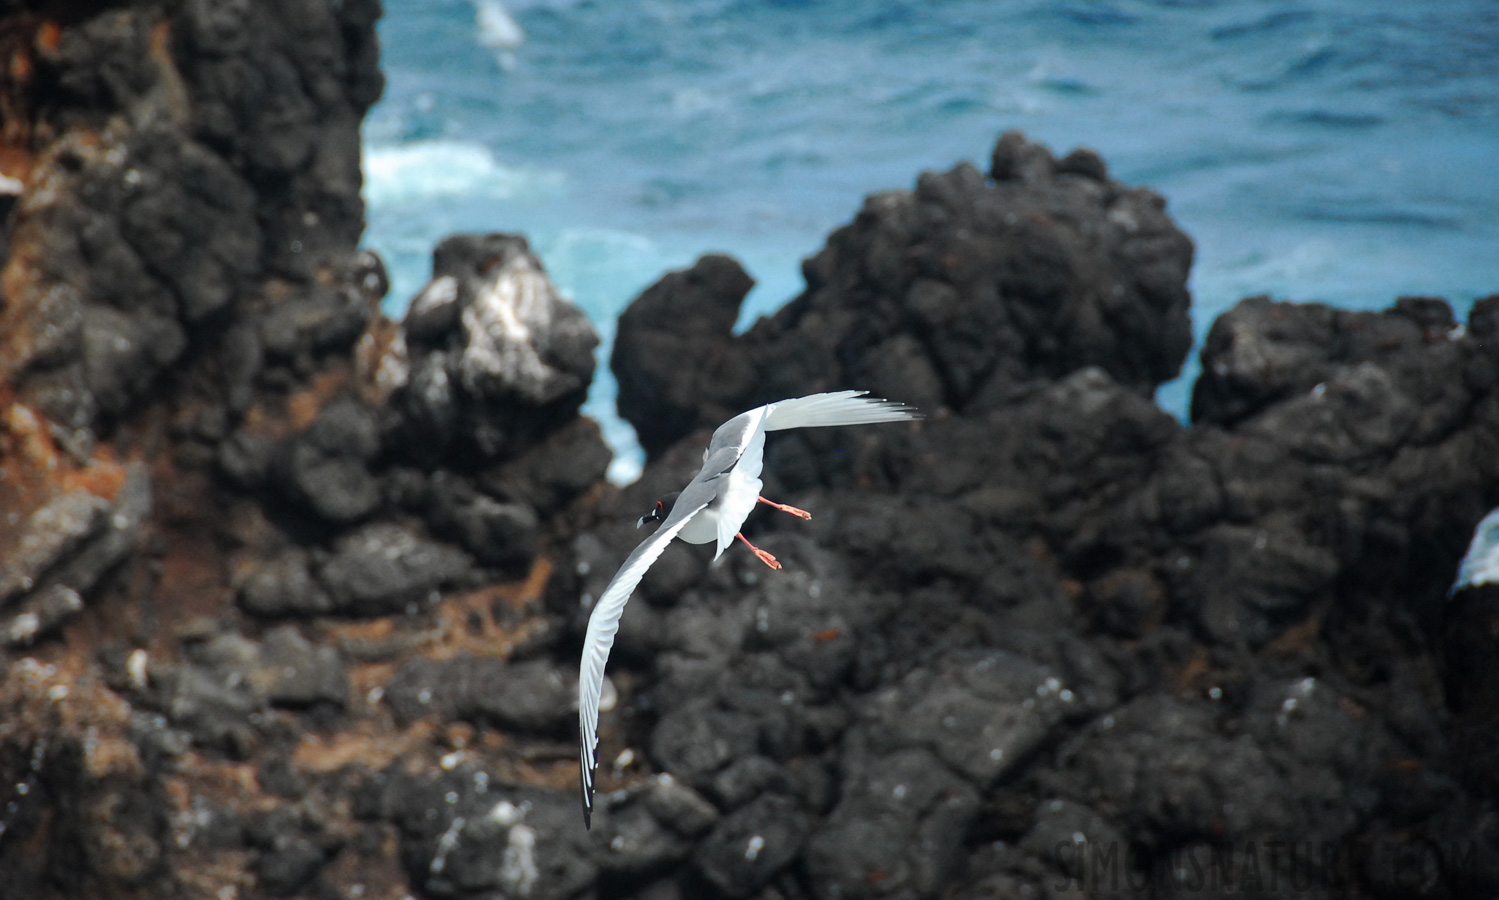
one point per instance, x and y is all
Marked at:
(836, 408)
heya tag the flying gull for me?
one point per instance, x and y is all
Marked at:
(710, 509)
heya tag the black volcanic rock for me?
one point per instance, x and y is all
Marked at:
(193, 157)
(1049, 604)
(674, 350)
(1261, 352)
(898, 827)
(554, 472)
(1045, 624)
(283, 586)
(495, 532)
(529, 697)
(1470, 645)
(747, 848)
(650, 827)
(942, 295)
(496, 359)
(460, 838)
(384, 567)
(326, 467)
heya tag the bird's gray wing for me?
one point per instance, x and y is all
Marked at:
(1480, 564)
(836, 408)
(603, 623)
(735, 432)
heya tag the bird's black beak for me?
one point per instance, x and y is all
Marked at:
(657, 514)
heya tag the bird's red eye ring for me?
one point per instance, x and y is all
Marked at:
(658, 504)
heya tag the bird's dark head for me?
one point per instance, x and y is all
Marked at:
(660, 510)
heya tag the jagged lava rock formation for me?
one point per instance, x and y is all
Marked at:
(1050, 618)
(291, 596)
(236, 504)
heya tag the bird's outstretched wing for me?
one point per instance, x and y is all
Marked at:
(835, 408)
(604, 623)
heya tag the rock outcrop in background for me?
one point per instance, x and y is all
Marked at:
(1049, 621)
(291, 596)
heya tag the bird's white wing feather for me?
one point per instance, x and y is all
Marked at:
(836, 408)
(740, 486)
(603, 624)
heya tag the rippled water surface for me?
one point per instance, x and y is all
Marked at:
(1337, 151)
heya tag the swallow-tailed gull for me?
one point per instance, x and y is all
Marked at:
(710, 509)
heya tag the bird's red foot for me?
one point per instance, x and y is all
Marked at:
(799, 513)
(759, 554)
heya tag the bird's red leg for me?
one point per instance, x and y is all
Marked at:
(760, 554)
(799, 513)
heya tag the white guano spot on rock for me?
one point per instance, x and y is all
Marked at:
(24, 627)
(394, 368)
(506, 813)
(516, 307)
(135, 667)
(518, 871)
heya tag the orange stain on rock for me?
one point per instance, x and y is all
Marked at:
(376, 871)
(302, 407)
(16, 274)
(31, 440)
(464, 625)
(33, 470)
(20, 67)
(523, 593)
(467, 625)
(174, 90)
(16, 163)
(102, 477)
(1298, 640)
(294, 413)
(1190, 677)
(222, 781)
(49, 37)
(365, 744)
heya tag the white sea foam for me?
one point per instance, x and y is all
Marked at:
(420, 172)
(496, 28)
(602, 269)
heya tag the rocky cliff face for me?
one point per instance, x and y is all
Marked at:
(291, 596)
(1049, 621)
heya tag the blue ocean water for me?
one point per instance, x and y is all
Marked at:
(1345, 151)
